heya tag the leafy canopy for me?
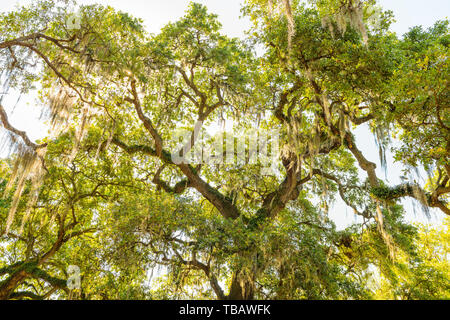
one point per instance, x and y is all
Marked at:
(102, 191)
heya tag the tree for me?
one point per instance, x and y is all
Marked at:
(113, 169)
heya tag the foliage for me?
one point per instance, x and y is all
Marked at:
(103, 192)
(424, 275)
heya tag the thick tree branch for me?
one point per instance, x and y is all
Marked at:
(223, 204)
(145, 120)
(5, 122)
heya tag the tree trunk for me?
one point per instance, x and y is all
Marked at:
(242, 286)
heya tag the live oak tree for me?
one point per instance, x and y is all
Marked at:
(103, 191)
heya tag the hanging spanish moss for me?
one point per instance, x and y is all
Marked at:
(328, 23)
(60, 106)
(295, 136)
(387, 238)
(101, 144)
(290, 19)
(81, 133)
(28, 165)
(6, 77)
(351, 13)
(287, 11)
(418, 193)
(29, 157)
(382, 140)
(344, 125)
(314, 145)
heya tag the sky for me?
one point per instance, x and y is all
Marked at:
(157, 13)
(25, 115)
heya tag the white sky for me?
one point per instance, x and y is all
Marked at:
(156, 14)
